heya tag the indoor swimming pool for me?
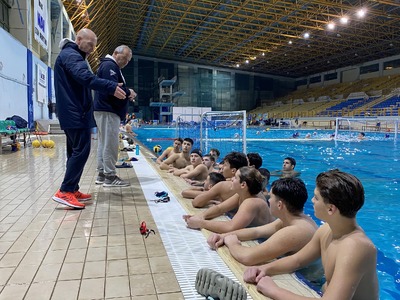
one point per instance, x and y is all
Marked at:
(375, 161)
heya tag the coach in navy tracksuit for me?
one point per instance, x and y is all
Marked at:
(73, 81)
(108, 113)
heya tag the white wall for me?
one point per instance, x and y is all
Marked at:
(40, 101)
(13, 77)
(189, 113)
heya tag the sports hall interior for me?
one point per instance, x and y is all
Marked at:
(305, 63)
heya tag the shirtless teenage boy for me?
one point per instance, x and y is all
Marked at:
(348, 255)
(179, 160)
(175, 149)
(222, 190)
(286, 235)
(212, 179)
(251, 210)
(195, 171)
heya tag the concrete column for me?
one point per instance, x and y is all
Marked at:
(20, 21)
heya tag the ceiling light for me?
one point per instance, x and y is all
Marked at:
(331, 26)
(344, 20)
(361, 13)
(246, 61)
(237, 65)
(306, 35)
(290, 42)
(263, 54)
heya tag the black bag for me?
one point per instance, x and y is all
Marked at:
(19, 121)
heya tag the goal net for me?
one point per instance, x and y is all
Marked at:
(223, 130)
(373, 128)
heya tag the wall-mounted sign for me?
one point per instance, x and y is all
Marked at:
(41, 22)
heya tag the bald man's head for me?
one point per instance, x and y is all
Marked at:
(86, 40)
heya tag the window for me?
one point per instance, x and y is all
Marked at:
(388, 65)
(315, 79)
(4, 17)
(369, 69)
(242, 82)
(331, 76)
(301, 82)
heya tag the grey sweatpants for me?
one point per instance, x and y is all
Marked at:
(107, 151)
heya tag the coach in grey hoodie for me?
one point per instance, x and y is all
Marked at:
(109, 111)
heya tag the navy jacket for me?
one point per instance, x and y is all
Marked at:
(73, 82)
(109, 69)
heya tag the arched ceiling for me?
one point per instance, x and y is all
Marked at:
(225, 33)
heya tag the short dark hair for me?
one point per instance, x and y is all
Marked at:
(255, 160)
(343, 190)
(212, 158)
(216, 151)
(253, 179)
(180, 140)
(189, 140)
(292, 191)
(292, 161)
(236, 160)
(216, 177)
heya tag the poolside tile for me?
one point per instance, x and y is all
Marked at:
(75, 255)
(11, 259)
(70, 271)
(47, 272)
(16, 291)
(165, 283)
(94, 269)
(5, 274)
(142, 285)
(139, 266)
(66, 290)
(170, 296)
(117, 268)
(23, 274)
(96, 254)
(92, 288)
(116, 252)
(40, 290)
(160, 264)
(117, 287)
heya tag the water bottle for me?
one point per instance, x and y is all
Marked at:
(137, 150)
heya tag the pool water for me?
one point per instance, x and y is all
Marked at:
(375, 161)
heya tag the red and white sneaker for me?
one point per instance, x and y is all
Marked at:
(68, 199)
(81, 196)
